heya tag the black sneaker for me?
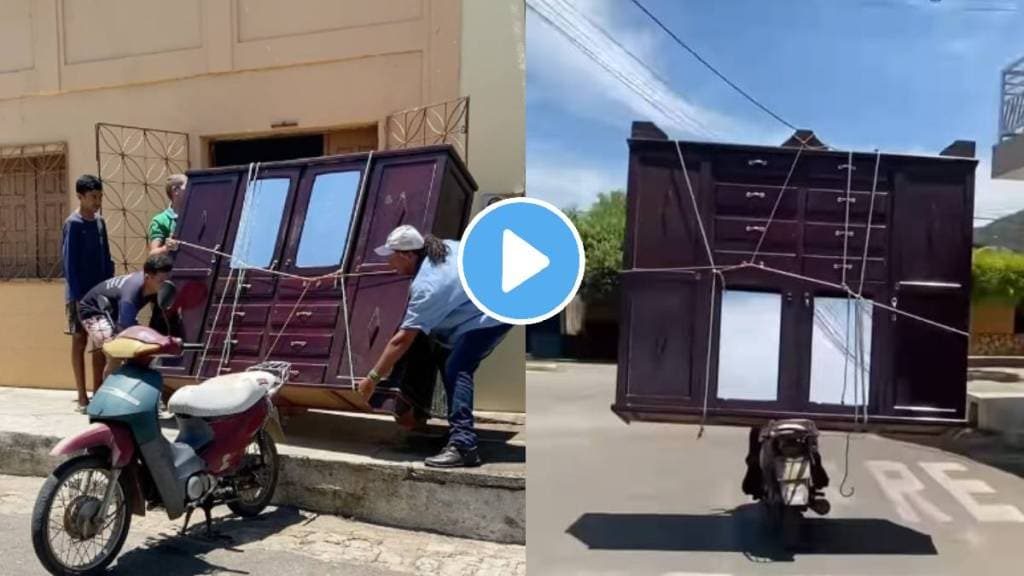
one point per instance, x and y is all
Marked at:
(454, 457)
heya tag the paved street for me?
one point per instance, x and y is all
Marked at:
(284, 541)
(607, 498)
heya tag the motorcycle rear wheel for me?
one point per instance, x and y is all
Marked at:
(81, 538)
(265, 466)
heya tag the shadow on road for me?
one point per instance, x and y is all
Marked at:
(744, 530)
(178, 555)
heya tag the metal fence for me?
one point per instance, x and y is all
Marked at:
(33, 206)
(134, 164)
(443, 123)
(1011, 116)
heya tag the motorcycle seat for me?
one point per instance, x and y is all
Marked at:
(222, 395)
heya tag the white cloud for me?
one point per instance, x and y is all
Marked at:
(995, 198)
(562, 74)
(568, 181)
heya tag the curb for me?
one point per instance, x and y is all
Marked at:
(468, 504)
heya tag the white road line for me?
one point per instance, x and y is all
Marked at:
(961, 489)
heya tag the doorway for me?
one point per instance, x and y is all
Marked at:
(241, 152)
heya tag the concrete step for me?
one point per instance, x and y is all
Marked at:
(357, 466)
(995, 361)
(998, 407)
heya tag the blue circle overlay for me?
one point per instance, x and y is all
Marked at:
(547, 230)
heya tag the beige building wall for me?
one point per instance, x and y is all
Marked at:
(493, 75)
(212, 68)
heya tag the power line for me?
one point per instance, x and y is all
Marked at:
(650, 85)
(602, 60)
(708, 65)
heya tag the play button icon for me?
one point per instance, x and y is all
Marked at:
(521, 261)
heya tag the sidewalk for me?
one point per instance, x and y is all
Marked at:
(995, 401)
(356, 466)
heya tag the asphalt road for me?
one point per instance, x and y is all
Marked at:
(607, 498)
(282, 541)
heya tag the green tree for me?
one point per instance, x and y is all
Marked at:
(997, 275)
(602, 228)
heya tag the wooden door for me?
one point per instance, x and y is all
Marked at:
(259, 225)
(931, 258)
(305, 320)
(402, 190)
(205, 222)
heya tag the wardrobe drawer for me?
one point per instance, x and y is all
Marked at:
(307, 373)
(245, 315)
(211, 368)
(741, 234)
(241, 342)
(827, 240)
(833, 171)
(785, 262)
(757, 167)
(755, 201)
(831, 270)
(251, 286)
(830, 206)
(303, 345)
(312, 315)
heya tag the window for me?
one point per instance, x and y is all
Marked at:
(748, 349)
(834, 349)
(260, 223)
(325, 231)
(33, 206)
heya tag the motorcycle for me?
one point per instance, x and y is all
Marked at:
(784, 471)
(225, 453)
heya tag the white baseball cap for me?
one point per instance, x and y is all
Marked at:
(402, 239)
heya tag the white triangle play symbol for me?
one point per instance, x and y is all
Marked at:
(519, 261)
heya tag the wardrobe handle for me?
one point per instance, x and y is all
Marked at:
(841, 266)
(755, 195)
(848, 233)
(304, 314)
(756, 228)
(843, 199)
(757, 162)
(298, 343)
(846, 167)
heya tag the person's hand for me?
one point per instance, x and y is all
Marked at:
(172, 244)
(366, 387)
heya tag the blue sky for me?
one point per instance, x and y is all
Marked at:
(898, 75)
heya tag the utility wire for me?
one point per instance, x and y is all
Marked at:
(708, 65)
(635, 84)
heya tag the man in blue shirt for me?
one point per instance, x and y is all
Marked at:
(439, 307)
(87, 262)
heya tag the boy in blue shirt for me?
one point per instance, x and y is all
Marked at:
(439, 307)
(87, 262)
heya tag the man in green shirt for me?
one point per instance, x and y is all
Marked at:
(161, 227)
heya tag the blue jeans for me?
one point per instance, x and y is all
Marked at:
(465, 356)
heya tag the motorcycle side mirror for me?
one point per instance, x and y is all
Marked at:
(166, 294)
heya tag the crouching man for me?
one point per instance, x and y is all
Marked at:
(115, 304)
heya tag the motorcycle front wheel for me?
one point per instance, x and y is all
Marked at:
(68, 538)
(262, 465)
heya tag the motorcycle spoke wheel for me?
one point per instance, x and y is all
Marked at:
(75, 541)
(257, 479)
